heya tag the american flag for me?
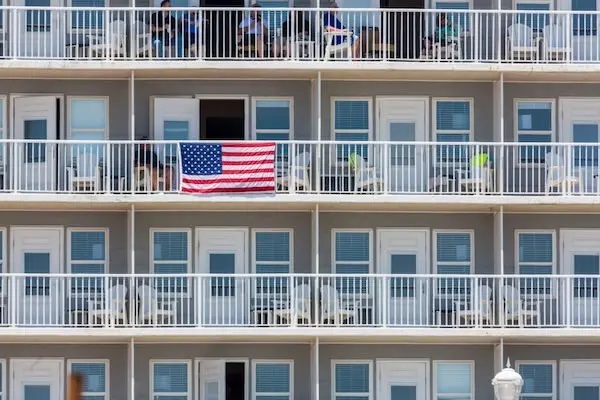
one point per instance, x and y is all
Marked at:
(208, 168)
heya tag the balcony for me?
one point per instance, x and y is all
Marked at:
(297, 300)
(298, 34)
(313, 168)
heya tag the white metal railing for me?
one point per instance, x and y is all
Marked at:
(80, 33)
(302, 300)
(312, 167)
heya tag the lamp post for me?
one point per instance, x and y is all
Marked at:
(507, 384)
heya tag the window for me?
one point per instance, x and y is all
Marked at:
(38, 15)
(88, 121)
(273, 119)
(535, 256)
(170, 380)
(535, 124)
(356, 20)
(589, 266)
(584, 24)
(454, 380)
(585, 132)
(538, 380)
(352, 380)
(273, 380)
(460, 21)
(273, 18)
(351, 123)
(531, 15)
(453, 256)
(2, 261)
(171, 255)
(453, 124)
(87, 256)
(352, 256)
(272, 255)
(95, 378)
(88, 19)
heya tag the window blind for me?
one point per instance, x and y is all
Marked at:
(170, 256)
(351, 378)
(273, 381)
(272, 256)
(94, 378)
(87, 19)
(454, 379)
(537, 380)
(170, 381)
(351, 123)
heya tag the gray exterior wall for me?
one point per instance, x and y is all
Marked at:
(115, 222)
(483, 356)
(300, 354)
(117, 92)
(115, 353)
(481, 224)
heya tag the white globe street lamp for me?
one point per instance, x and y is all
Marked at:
(507, 384)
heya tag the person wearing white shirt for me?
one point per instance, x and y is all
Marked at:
(251, 31)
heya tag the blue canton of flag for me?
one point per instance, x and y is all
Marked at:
(202, 159)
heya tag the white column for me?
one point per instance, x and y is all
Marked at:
(499, 356)
(499, 260)
(319, 134)
(314, 355)
(131, 369)
(132, 104)
(316, 283)
(131, 235)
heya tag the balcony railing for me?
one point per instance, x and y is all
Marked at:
(327, 167)
(507, 36)
(325, 300)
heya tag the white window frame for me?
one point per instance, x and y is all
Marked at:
(106, 362)
(369, 101)
(290, 131)
(335, 362)
(437, 100)
(106, 248)
(437, 395)
(471, 233)
(549, 2)
(261, 361)
(290, 231)
(156, 361)
(518, 364)
(3, 392)
(334, 232)
(553, 288)
(154, 230)
(106, 99)
(3, 116)
(516, 103)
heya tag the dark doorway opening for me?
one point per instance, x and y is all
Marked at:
(405, 27)
(222, 119)
(221, 35)
(235, 381)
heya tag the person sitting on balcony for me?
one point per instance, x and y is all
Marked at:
(332, 24)
(144, 156)
(445, 35)
(192, 28)
(166, 31)
(251, 31)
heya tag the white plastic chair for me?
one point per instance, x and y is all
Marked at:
(299, 306)
(522, 43)
(336, 51)
(365, 176)
(479, 310)
(85, 175)
(332, 308)
(477, 179)
(152, 309)
(111, 309)
(115, 44)
(556, 44)
(299, 173)
(515, 309)
(557, 174)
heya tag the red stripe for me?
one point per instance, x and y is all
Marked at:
(249, 171)
(246, 144)
(225, 180)
(248, 154)
(245, 162)
(230, 190)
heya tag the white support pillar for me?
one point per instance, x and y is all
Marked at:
(316, 269)
(132, 104)
(315, 361)
(131, 369)
(499, 259)
(499, 356)
(319, 134)
(131, 236)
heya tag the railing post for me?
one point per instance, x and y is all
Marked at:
(291, 169)
(14, 35)
(133, 44)
(386, 168)
(13, 300)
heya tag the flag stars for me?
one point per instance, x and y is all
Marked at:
(202, 159)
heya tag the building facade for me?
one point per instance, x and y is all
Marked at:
(435, 212)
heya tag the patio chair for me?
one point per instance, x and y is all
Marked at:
(558, 175)
(522, 43)
(556, 43)
(332, 308)
(516, 310)
(366, 178)
(84, 176)
(111, 309)
(298, 174)
(478, 311)
(298, 308)
(154, 310)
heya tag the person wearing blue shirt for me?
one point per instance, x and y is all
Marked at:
(166, 30)
(332, 24)
(251, 31)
